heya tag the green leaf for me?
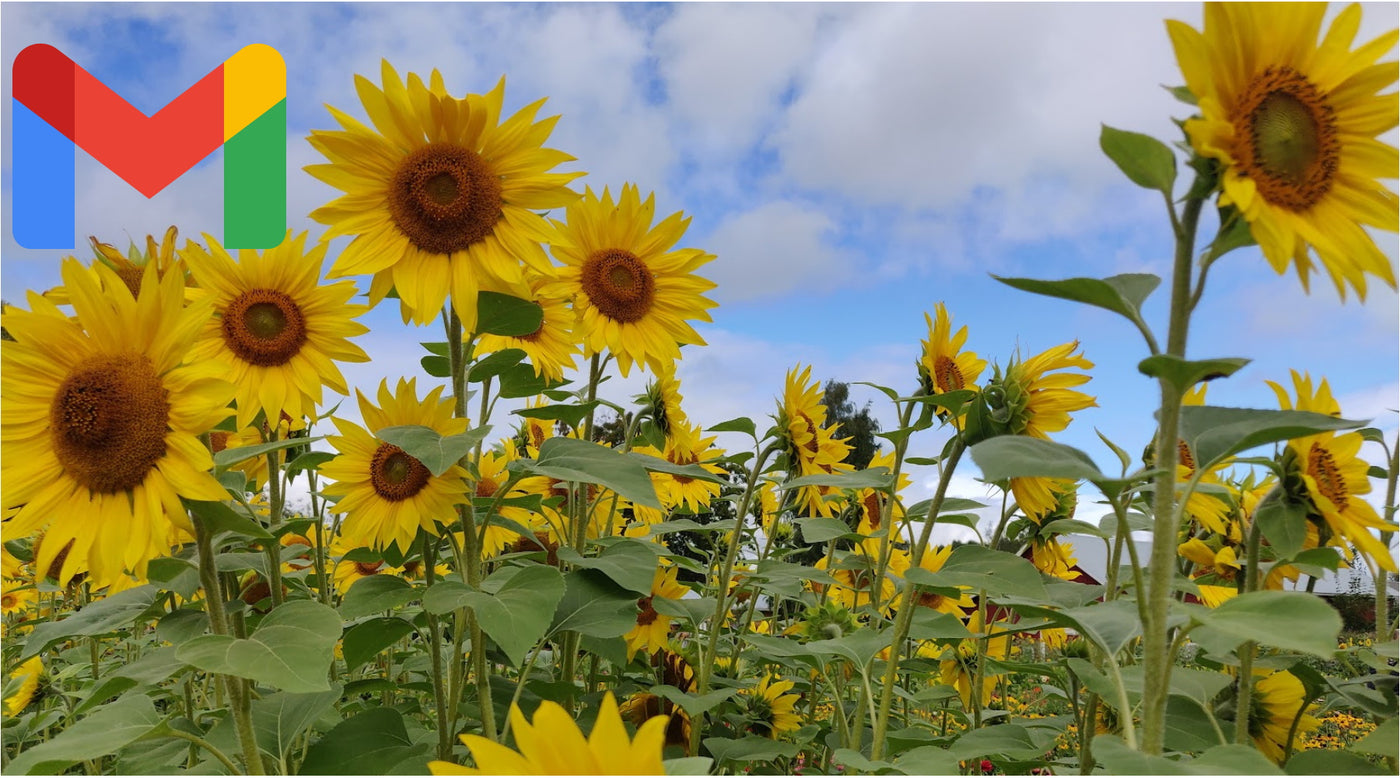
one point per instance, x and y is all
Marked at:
(570, 459)
(688, 765)
(376, 594)
(1284, 522)
(1072, 527)
(438, 348)
(366, 639)
(219, 517)
(514, 608)
(232, 456)
(437, 453)
(109, 614)
(595, 606)
(820, 529)
(174, 575)
(1011, 741)
(1117, 759)
(1016, 456)
(571, 414)
(630, 563)
(978, 567)
(694, 471)
(291, 649)
(1234, 759)
(495, 364)
(742, 424)
(1327, 761)
(1122, 294)
(1199, 686)
(1382, 740)
(371, 743)
(1186, 373)
(178, 626)
(749, 749)
(104, 732)
(1235, 235)
(278, 721)
(1293, 621)
(1146, 161)
(1216, 433)
(693, 704)
(521, 381)
(311, 460)
(502, 314)
(874, 478)
(152, 668)
(437, 367)
(857, 764)
(929, 624)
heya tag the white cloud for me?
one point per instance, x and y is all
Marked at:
(775, 248)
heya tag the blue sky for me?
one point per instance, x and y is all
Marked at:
(849, 165)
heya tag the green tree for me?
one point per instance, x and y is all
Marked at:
(858, 425)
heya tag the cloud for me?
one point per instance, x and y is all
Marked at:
(776, 248)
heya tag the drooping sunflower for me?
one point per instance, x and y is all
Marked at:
(385, 492)
(663, 399)
(1275, 701)
(549, 349)
(102, 421)
(1333, 477)
(943, 365)
(1293, 123)
(554, 745)
(1038, 400)
(26, 679)
(870, 503)
(278, 332)
(1053, 558)
(633, 293)
(441, 194)
(652, 628)
(812, 448)
(131, 266)
(770, 708)
(643, 706)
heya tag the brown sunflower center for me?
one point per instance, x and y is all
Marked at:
(1183, 455)
(1289, 141)
(949, 377)
(264, 327)
(1323, 468)
(811, 444)
(930, 599)
(486, 487)
(108, 422)
(368, 568)
(395, 475)
(648, 614)
(8, 601)
(618, 284)
(218, 441)
(131, 277)
(445, 198)
(871, 504)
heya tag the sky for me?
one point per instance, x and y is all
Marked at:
(850, 166)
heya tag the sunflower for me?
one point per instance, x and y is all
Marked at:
(644, 706)
(652, 628)
(933, 560)
(253, 467)
(1211, 510)
(386, 493)
(959, 666)
(348, 572)
(102, 422)
(1326, 472)
(27, 675)
(1276, 700)
(770, 708)
(276, 330)
(131, 266)
(663, 399)
(440, 195)
(870, 503)
(943, 365)
(1053, 558)
(554, 745)
(15, 596)
(632, 292)
(1036, 401)
(492, 471)
(812, 448)
(549, 349)
(1293, 124)
(854, 572)
(686, 445)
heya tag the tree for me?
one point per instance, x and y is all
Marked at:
(858, 425)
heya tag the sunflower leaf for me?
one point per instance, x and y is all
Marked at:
(434, 451)
(570, 459)
(292, 649)
(1186, 373)
(109, 614)
(368, 638)
(1284, 522)
(1292, 621)
(219, 517)
(1146, 161)
(742, 424)
(371, 743)
(1122, 294)
(571, 414)
(104, 732)
(1215, 433)
(494, 364)
(507, 316)
(232, 456)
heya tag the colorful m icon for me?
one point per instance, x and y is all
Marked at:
(58, 106)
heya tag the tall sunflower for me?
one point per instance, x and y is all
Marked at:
(812, 448)
(1037, 400)
(933, 560)
(440, 195)
(553, 744)
(385, 492)
(943, 365)
(278, 332)
(632, 291)
(1333, 478)
(1293, 123)
(102, 421)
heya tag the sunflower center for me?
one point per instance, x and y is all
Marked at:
(486, 487)
(648, 614)
(218, 441)
(1183, 455)
(445, 198)
(8, 601)
(1291, 146)
(131, 277)
(108, 422)
(930, 599)
(949, 377)
(811, 444)
(1323, 468)
(619, 284)
(395, 475)
(368, 568)
(264, 327)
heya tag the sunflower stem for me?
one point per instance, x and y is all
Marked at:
(1246, 652)
(435, 652)
(276, 496)
(1379, 576)
(1157, 665)
(906, 614)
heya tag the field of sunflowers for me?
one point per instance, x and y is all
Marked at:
(589, 585)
